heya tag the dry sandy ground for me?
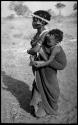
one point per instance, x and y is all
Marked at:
(17, 76)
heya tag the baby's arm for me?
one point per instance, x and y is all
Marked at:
(46, 63)
(53, 54)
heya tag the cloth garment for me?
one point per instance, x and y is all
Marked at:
(46, 82)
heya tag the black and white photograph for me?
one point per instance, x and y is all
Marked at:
(39, 62)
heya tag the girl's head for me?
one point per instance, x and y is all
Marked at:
(40, 18)
(54, 36)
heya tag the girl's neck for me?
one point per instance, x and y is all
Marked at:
(39, 30)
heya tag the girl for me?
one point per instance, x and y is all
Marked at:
(45, 92)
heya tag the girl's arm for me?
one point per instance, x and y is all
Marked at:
(39, 43)
(42, 63)
(37, 47)
(34, 50)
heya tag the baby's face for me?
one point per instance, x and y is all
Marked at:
(51, 40)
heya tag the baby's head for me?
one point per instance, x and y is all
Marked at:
(54, 36)
(40, 18)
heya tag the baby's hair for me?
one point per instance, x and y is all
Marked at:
(58, 34)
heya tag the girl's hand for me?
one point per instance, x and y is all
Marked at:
(38, 63)
(33, 63)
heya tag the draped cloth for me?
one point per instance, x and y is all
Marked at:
(47, 83)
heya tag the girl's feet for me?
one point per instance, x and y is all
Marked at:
(40, 112)
(32, 110)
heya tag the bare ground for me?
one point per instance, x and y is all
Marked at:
(17, 77)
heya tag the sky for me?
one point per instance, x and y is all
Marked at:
(36, 5)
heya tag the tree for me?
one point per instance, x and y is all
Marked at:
(21, 9)
(60, 6)
(12, 5)
(51, 12)
(75, 10)
(18, 7)
(11, 16)
(75, 6)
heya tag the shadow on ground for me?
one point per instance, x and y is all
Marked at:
(19, 89)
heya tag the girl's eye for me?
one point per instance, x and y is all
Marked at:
(35, 19)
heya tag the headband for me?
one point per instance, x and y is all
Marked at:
(40, 18)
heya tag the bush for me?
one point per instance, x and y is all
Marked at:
(10, 16)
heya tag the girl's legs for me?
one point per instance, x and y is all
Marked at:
(40, 112)
(36, 102)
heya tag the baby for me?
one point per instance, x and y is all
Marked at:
(53, 38)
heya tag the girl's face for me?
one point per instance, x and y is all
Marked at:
(36, 23)
(51, 40)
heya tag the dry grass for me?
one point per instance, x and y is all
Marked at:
(17, 75)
